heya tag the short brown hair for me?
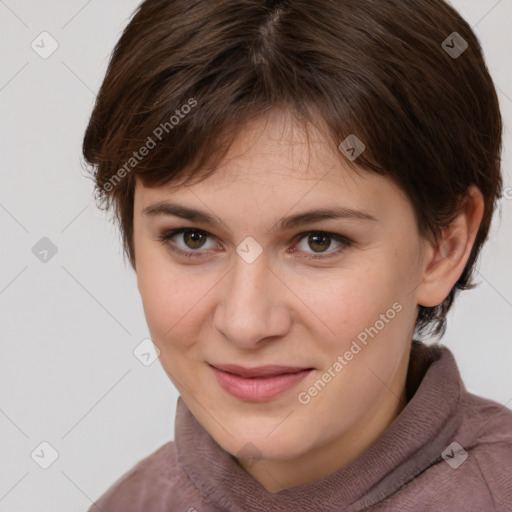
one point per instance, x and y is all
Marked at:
(381, 70)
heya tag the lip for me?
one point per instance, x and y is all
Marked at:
(258, 371)
(258, 384)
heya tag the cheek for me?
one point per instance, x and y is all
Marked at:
(175, 301)
(365, 305)
(168, 298)
(347, 301)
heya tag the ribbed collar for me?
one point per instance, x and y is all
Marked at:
(410, 444)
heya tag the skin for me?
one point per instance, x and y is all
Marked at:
(286, 309)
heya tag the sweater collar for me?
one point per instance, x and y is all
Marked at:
(413, 442)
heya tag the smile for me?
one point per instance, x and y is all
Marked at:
(258, 384)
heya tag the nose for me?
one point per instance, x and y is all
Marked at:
(252, 307)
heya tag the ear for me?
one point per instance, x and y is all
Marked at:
(445, 259)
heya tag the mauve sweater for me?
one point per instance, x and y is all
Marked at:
(412, 466)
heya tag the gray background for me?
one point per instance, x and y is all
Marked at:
(70, 325)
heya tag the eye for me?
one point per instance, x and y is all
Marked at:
(194, 239)
(320, 241)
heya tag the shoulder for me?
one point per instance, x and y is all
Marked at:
(487, 429)
(474, 471)
(487, 434)
(150, 484)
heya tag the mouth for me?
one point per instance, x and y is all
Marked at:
(259, 371)
(258, 384)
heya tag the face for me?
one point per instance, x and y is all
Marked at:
(334, 296)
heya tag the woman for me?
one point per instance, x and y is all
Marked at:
(302, 189)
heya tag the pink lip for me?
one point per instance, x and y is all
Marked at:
(258, 384)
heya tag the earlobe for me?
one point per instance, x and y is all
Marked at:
(445, 260)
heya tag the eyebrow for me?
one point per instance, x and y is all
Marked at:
(310, 216)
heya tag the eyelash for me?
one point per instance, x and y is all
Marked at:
(166, 237)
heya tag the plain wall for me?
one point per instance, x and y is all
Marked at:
(70, 325)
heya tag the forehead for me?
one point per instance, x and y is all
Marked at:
(276, 162)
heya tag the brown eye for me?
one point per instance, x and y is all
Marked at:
(187, 242)
(319, 242)
(194, 239)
